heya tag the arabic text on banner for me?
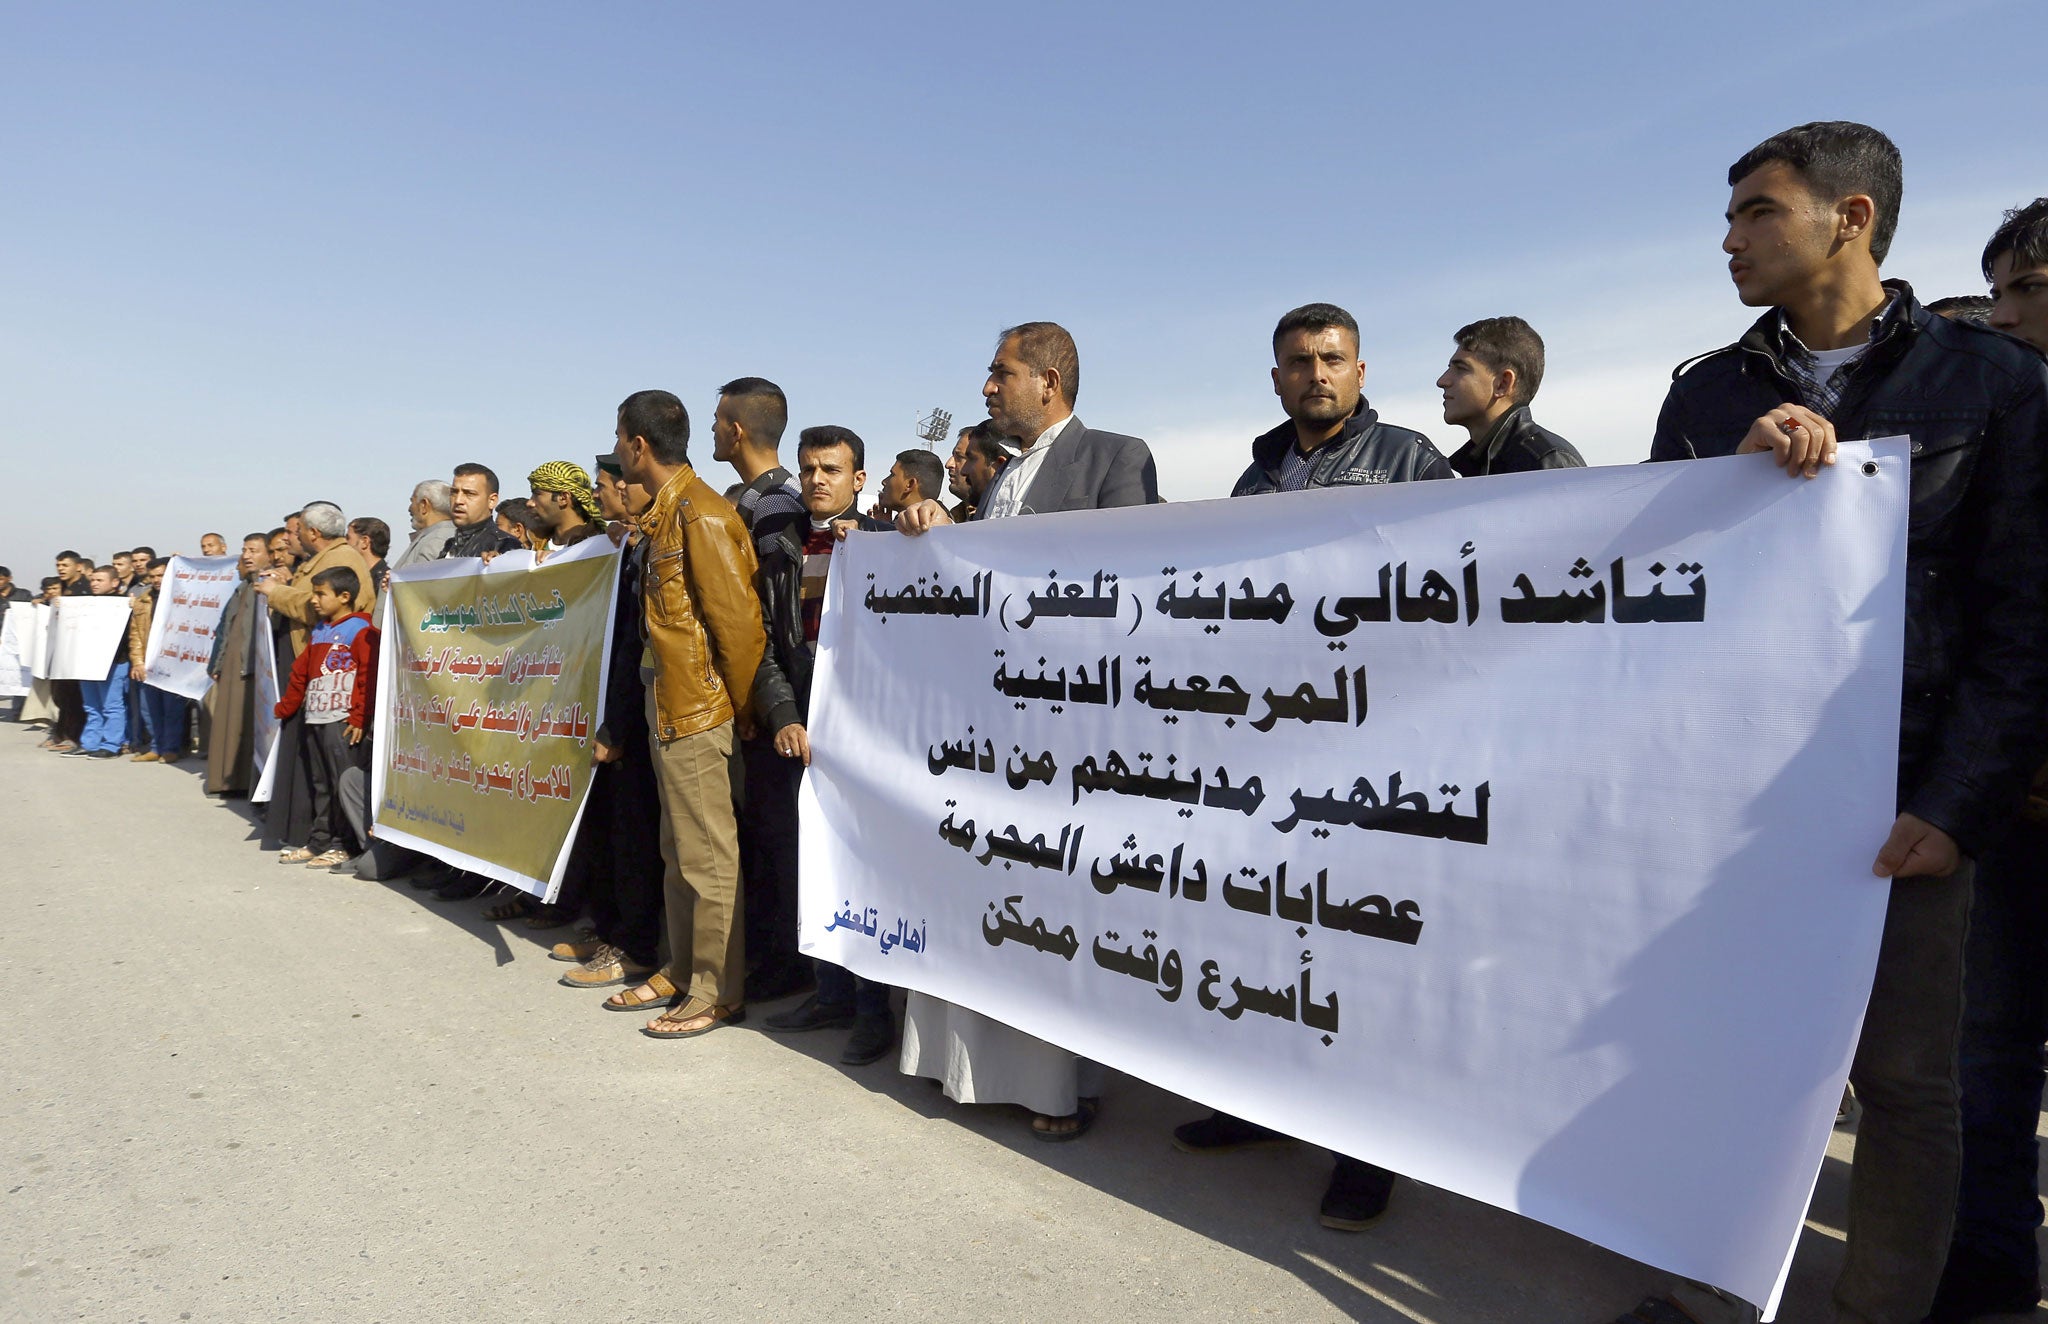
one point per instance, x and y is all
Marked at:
(1496, 831)
(195, 592)
(490, 688)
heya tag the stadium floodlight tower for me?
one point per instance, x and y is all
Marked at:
(934, 428)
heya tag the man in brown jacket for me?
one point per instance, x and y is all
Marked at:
(323, 531)
(704, 640)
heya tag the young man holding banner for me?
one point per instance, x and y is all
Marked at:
(704, 643)
(1840, 352)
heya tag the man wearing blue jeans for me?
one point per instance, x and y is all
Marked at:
(106, 701)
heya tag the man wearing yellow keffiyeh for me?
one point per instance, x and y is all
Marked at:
(564, 500)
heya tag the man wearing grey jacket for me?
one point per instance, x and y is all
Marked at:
(1063, 465)
(433, 524)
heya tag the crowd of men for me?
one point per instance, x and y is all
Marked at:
(686, 862)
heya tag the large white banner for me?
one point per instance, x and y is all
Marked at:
(87, 633)
(195, 592)
(1513, 834)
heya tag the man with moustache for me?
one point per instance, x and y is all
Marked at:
(796, 557)
(1033, 382)
(1841, 352)
(1332, 438)
(962, 509)
(231, 747)
(986, 454)
(473, 497)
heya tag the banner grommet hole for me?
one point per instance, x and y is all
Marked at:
(1870, 468)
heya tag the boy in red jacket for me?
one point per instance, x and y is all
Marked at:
(334, 680)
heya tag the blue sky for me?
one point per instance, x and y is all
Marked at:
(258, 255)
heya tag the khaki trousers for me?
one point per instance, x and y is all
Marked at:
(700, 852)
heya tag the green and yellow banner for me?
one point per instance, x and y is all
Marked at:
(490, 688)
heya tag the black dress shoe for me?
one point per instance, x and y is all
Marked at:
(1220, 1133)
(771, 982)
(1357, 1196)
(1973, 1284)
(462, 887)
(871, 1040)
(810, 1014)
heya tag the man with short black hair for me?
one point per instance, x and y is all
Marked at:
(956, 486)
(917, 475)
(1332, 438)
(982, 464)
(124, 569)
(746, 433)
(433, 524)
(2016, 264)
(1994, 1260)
(167, 716)
(704, 637)
(1839, 351)
(106, 701)
(371, 537)
(796, 557)
(473, 497)
(1492, 377)
(71, 716)
(1963, 308)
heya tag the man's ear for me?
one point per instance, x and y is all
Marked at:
(1504, 384)
(860, 479)
(1854, 216)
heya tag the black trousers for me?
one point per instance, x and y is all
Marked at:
(328, 755)
(70, 723)
(768, 857)
(615, 867)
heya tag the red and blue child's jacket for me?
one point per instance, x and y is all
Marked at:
(335, 679)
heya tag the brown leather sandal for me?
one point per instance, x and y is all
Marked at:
(692, 1019)
(630, 999)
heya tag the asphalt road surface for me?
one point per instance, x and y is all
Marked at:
(235, 1090)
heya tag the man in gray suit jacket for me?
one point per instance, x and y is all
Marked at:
(1063, 464)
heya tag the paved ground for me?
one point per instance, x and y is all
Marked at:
(235, 1091)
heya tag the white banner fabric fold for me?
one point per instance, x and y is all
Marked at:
(264, 725)
(87, 633)
(44, 646)
(195, 592)
(1452, 825)
(19, 644)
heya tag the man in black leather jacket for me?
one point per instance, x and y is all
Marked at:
(795, 554)
(1841, 354)
(1332, 438)
(1491, 378)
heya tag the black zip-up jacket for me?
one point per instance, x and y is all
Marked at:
(1366, 451)
(782, 685)
(625, 693)
(1515, 444)
(1974, 403)
(480, 537)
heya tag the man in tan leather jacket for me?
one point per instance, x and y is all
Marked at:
(704, 640)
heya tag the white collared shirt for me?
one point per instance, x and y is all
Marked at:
(1014, 483)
